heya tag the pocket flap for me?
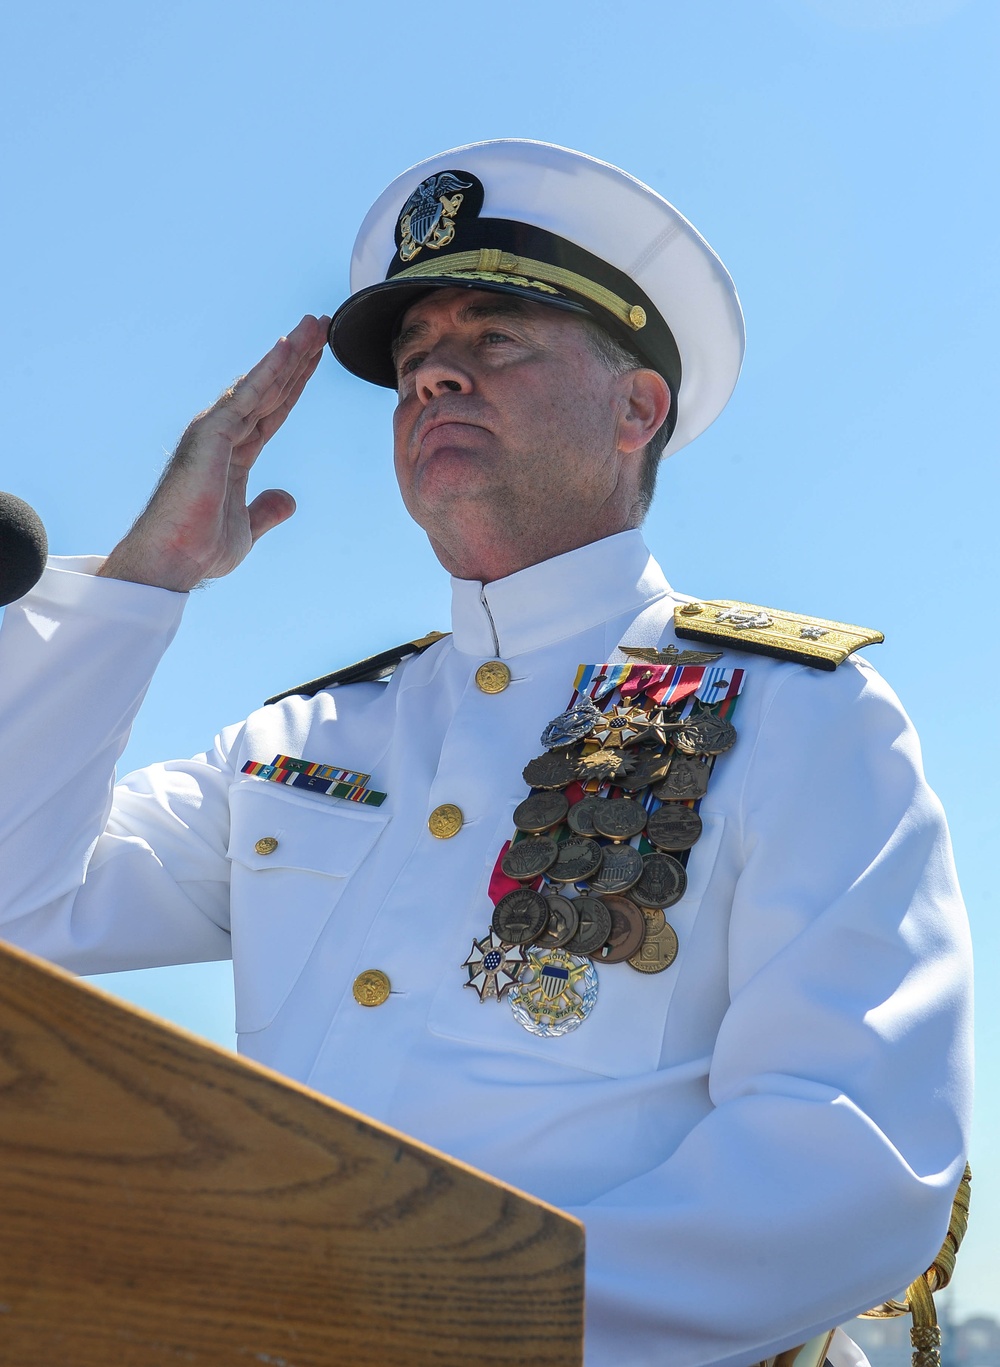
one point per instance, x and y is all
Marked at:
(331, 837)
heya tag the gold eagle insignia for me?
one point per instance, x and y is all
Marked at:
(670, 655)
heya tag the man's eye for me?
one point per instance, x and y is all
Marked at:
(496, 337)
(409, 363)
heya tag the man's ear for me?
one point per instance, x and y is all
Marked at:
(645, 405)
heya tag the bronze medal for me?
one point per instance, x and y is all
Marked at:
(577, 859)
(621, 867)
(663, 722)
(520, 917)
(572, 725)
(602, 765)
(580, 818)
(619, 818)
(651, 766)
(541, 812)
(687, 778)
(628, 931)
(594, 927)
(526, 859)
(657, 951)
(551, 770)
(562, 923)
(663, 881)
(655, 919)
(673, 827)
(705, 734)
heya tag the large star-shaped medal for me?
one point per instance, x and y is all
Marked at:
(620, 725)
(663, 723)
(494, 967)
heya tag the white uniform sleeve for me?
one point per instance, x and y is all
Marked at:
(93, 880)
(823, 1179)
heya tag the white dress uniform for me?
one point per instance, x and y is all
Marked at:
(762, 1141)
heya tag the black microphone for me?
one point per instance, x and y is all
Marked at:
(23, 548)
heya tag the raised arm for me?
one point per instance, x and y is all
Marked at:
(89, 882)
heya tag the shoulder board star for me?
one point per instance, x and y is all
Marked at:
(814, 641)
(365, 671)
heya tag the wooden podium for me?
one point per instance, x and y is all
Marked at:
(164, 1202)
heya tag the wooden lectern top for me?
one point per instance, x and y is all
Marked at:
(164, 1202)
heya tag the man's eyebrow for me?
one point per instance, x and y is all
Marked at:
(470, 313)
(408, 335)
(475, 313)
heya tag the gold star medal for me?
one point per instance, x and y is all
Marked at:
(493, 967)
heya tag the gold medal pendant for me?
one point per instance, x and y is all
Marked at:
(557, 992)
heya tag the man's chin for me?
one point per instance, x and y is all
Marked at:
(452, 472)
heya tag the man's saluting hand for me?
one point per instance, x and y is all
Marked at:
(198, 524)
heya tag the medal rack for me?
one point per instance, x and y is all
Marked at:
(602, 841)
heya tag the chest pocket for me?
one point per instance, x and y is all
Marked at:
(291, 860)
(623, 1036)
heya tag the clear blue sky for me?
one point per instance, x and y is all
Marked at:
(181, 183)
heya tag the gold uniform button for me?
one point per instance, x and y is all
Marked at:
(493, 676)
(266, 845)
(445, 821)
(371, 988)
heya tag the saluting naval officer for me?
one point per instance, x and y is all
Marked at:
(697, 969)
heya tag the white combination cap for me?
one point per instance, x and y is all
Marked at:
(560, 228)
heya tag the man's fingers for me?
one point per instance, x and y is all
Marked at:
(261, 390)
(268, 509)
(267, 426)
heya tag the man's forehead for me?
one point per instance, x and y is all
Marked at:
(468, 306)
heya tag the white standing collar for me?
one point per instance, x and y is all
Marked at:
(556, 598)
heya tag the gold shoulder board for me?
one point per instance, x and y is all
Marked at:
(365, 671)
(772, 631)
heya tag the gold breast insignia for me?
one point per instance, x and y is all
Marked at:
(670, 655)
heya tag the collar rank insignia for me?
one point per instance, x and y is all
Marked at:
(813, 641)
(428, 217)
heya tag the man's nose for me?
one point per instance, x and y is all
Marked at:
(439, 374)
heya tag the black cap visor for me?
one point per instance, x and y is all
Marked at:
(365, 326)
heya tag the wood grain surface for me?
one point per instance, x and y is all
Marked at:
(164, 1202)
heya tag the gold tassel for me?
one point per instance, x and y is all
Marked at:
(925, 1332)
